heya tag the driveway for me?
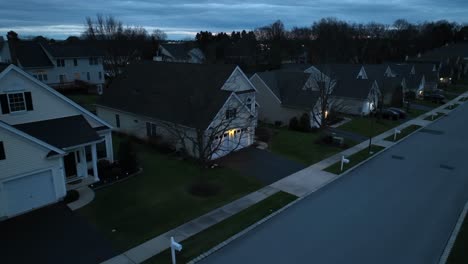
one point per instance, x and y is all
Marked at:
(52, 235)
(400, 207)
(267, 167)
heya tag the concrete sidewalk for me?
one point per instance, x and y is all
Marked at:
(300, 183)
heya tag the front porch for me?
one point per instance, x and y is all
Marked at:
(80, 166)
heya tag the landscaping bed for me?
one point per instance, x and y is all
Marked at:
(404, 132)
(431, 118)
(354, 159)
(159, 199)
(451, 107)
(211, 237)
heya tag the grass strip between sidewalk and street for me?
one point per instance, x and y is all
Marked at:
(431, 118)
(459, 253)
(212, 236)
(451, 107)
(354, 159)
(404, 132)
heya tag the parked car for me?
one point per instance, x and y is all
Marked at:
(401, 113)
(389, 114)
(435, 98)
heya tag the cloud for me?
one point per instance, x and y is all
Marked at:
(183, 18)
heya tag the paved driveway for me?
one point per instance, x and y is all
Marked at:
(267, 167)
(52, 235)
(399, 207)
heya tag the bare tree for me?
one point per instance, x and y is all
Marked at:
(159, 35)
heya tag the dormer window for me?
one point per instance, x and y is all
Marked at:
(93, 61)
(60, 63)
(16, 102)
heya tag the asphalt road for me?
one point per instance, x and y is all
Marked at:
(400, 207)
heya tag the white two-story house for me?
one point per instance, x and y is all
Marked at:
(60, 65)
(177, 102)
(46, 141)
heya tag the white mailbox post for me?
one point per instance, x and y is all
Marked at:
(174, 246)
(343, 161)
(395, 134)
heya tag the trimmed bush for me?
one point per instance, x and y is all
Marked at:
(304, 122)
(127, 157)
(294, 124)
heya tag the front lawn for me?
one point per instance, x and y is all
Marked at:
(404, 132)
(87, 101)
(301, 146)
(457, 88)
(364, 126)
(428, 103)
(209, 238)
(459, 253)
(354, 159)
(414, 113)
(437, 116)
(140, 208)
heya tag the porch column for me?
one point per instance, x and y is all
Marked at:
(94, 159)
(109, 147)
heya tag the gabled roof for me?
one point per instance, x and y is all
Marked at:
(413, 81)
(179, 51)
(30, 54)
(401, 69)
(288, 87)
(353, 88)
(340, 71)
(389, 84)
(448, 51)
(72, 50)
(182, 93)
(427, 69)
(61, 132)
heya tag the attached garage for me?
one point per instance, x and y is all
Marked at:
(232, 140)
(29, 192)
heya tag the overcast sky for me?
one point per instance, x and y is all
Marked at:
(183, 18)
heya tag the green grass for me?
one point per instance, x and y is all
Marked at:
(459, 253)
(85, 100)
(157, 200)
(430, 118)
(463, 99)
(404, 132)
(451, 107)
(209, 238)
(362, 126)
(354, 159)
(301, 146)
(457, 88)
(413, 113)
(427, 103)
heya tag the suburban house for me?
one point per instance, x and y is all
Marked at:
(431, 75)
(47, 142)
(415, 81)
(392, 87)
(183, 104)
(60, 65)
(284, 94)
(352, 91)
(179, 52)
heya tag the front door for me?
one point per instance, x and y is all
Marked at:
(69, 161)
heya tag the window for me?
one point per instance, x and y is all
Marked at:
(93, 61)
(151, 129)
(75, 62)
(117, 120)
(60, 63)
(16, 102)
(88, 76)
(231, 113)
(41, 76)
(2, 151)
(62, 78)
(100, 75)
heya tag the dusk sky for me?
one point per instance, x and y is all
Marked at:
(182, 18)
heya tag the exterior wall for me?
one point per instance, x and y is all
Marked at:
(72, 72)
(351, 106)
(5, 56)
(46, 105)
(24, 157)
(270, 109)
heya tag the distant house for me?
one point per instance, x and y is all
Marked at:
(392, 87)
(59, 65)
(415, 80)
(46, 142)
(179, 52)
(161, 100)
(283, 94)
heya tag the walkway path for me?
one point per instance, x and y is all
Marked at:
(300, 183)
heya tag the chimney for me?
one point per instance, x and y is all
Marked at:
(12, 43)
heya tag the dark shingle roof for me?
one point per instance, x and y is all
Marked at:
(340, 71)
(182, 93)
(413, 81)
(178, 51)
(288, 86)
(353, 88)
(61, 132)
(72, 50)
(401, 69)
(31, 55)
(427, 70)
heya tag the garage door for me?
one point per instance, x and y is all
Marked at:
(29, 192)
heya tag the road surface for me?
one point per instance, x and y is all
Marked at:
(400, 207)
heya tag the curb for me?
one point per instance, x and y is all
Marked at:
(453, 237)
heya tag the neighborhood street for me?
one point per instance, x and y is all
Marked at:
(400, 207)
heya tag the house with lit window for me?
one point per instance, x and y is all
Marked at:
(164, 100)
(179, 52)
(47, 142)
(60, 65)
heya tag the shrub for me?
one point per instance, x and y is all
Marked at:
(263, 134)
(304, 122)
(294, 124)
(278, 123)
(127, 157)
